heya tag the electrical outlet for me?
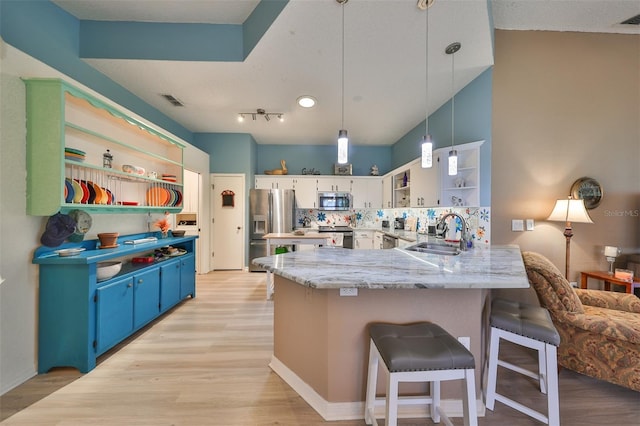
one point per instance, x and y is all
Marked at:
(517, 225)
(348, 292)
(529, 224)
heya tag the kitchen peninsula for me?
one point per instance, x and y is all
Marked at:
(320, 337)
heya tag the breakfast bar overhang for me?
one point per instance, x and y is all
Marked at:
(321, 337)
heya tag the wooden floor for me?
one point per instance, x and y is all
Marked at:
(206, 363)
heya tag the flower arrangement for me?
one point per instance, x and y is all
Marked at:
(163, 224)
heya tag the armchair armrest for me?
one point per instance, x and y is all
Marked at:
(609, 299)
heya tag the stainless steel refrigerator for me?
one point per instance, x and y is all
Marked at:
(270, 210)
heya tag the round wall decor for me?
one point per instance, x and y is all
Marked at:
(589, 190)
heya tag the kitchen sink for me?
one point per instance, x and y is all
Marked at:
(435, 248)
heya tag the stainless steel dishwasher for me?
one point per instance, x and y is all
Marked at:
(389, 242)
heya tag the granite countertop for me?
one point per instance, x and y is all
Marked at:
(331, 268)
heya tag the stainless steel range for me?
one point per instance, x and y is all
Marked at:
(347, 234)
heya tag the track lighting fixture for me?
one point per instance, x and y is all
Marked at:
(261, 113)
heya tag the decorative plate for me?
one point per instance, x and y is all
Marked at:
(69, 252)
(589, 190)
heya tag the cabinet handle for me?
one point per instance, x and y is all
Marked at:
(140, 281)
(129, 285)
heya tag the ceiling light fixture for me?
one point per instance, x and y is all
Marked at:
(453, 154)
(343, 139)
(262, 113)
(306, 101)
(427, 141)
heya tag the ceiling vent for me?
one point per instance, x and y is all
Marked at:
(634, 20)
(174, 101)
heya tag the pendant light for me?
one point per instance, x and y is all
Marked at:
(453, 154)
(427, 142)
(343, 140)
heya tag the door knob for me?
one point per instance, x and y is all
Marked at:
(239, 228)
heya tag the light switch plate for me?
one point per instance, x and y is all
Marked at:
(517, 225)
(529, 224)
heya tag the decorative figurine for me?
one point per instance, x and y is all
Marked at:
(374, 170)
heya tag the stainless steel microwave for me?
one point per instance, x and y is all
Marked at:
(334, 201)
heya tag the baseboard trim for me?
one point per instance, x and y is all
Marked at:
(332, 411)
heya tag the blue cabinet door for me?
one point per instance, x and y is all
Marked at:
(188, 276)
(169, 284)
(114, 313)
(146, 298)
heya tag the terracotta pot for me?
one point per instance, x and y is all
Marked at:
(108, 239)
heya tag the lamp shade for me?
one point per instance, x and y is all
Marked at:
(427, 151)
(570, 210)
(343, 147)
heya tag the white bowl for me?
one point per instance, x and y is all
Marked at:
(106, 270)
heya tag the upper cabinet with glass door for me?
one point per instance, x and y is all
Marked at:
(83, 153)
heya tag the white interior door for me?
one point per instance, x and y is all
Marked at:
(228, 230)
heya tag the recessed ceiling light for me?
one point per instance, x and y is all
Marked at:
(306, 101)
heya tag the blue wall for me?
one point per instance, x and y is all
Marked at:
(43, 30)
(322, 158)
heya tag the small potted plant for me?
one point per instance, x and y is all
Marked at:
(164, 225)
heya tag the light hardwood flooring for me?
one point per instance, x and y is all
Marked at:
(206, 363)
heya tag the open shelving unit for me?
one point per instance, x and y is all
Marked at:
(60, 117)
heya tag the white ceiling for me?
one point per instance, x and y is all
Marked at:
(384, 60)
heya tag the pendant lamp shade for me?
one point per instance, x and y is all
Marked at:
(453, 162)
(427, 152)
(343, 147)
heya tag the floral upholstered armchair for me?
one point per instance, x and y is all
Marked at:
(599, 330)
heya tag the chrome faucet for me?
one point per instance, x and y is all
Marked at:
(466, 234)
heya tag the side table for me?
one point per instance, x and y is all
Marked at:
(608, 280)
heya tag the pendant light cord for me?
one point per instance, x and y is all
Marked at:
(342, 123)
(426, 73)
(453, 96)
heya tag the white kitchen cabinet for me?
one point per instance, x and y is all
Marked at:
(378, 240)
(366, 192)
(462, 189)
(425, 184)
(387, 192)
(363, 239)
(273, 182)
(334, 183)
(306, 192)
(402, 188)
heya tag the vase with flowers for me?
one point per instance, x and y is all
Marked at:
(164, 225)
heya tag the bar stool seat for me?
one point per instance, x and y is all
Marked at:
(419, 352)
(529, 326)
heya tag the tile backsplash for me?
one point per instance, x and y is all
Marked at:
(478, 218)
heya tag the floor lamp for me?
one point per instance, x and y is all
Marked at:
(569, 210)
